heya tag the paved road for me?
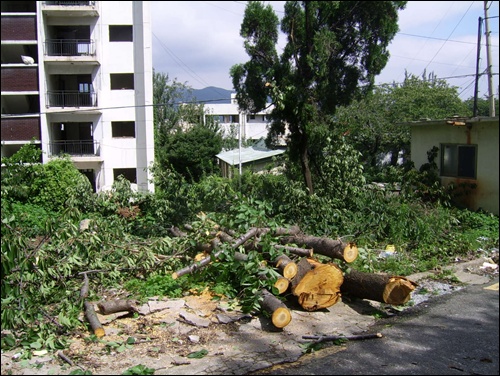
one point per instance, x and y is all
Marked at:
(452, 334)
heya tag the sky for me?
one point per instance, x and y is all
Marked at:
(197, 42)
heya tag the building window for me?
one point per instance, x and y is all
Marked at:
(235, 118)
(458, 160)
(121, 129)
(128, 173)
(122, 81)
(120, 33)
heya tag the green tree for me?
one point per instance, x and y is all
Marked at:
(186, 140)
(192, 152)
(375, 124)
(334, 51)
(483, 106)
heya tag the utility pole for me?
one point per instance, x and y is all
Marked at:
(488, 59)
(476, 86)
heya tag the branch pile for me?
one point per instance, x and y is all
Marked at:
(314, 284)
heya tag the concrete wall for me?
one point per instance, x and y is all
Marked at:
(483, 132)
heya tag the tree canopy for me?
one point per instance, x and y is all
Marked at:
(333, 52)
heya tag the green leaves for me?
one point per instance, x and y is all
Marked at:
(198, 354)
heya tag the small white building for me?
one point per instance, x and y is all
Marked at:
(233, 121)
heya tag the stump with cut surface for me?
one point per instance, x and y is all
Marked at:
(317, 285)
(384, 288)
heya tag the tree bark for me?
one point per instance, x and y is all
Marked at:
(94, 322)
(112, 306)
(385, 288)
(332, 248)
(280, 314)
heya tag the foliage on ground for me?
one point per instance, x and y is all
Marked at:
(121, 239)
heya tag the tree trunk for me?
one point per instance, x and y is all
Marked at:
(332, 248)
(280, 314)
(383, 288)
(317, 285)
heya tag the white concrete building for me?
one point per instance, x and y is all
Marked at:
(89, 92)
(232, 120)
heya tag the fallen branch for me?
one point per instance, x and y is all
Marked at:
(350, 338)
(193, 267)
(332, 248)
(94, 322)
(112, 306)
(84, 292)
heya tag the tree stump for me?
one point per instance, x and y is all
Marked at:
(317, 285)
(385, 288)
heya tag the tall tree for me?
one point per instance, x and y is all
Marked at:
(375, 124)
(334, 51)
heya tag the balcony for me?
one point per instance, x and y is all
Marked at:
(70, 8)
(69, 47)
(71, 98)
(75, 148)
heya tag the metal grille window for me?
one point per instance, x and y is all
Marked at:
(458, 160)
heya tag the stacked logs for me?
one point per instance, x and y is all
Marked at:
(314, 284)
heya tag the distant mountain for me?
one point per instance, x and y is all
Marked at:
(212, 94)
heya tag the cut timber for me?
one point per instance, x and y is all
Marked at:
(112, 306)
(381, 287)
(332, 248)
(94, 322)
(282, 284)
(286, 266)
(318, 287)
(281, 315)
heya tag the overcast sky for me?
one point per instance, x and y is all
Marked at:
(197, 42)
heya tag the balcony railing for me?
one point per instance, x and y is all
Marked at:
(82, 148)
(69, 47)
(70, 3)
(70, 98)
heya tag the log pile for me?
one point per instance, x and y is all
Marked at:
(314, 284)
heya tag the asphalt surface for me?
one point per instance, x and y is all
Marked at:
(451, 334)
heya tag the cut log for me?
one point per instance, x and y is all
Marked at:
(282, 284)
(94, 322)
(317, 285)
(380, 287)
(286, 266)
(280, 314)
(332, 248)
(112, 306)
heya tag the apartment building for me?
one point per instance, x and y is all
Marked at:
(77, 79)
(232, 120)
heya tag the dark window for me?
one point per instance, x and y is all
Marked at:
(458, 160)
(128, 173)
(122, 81)
(123, 129)
(120, 33)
